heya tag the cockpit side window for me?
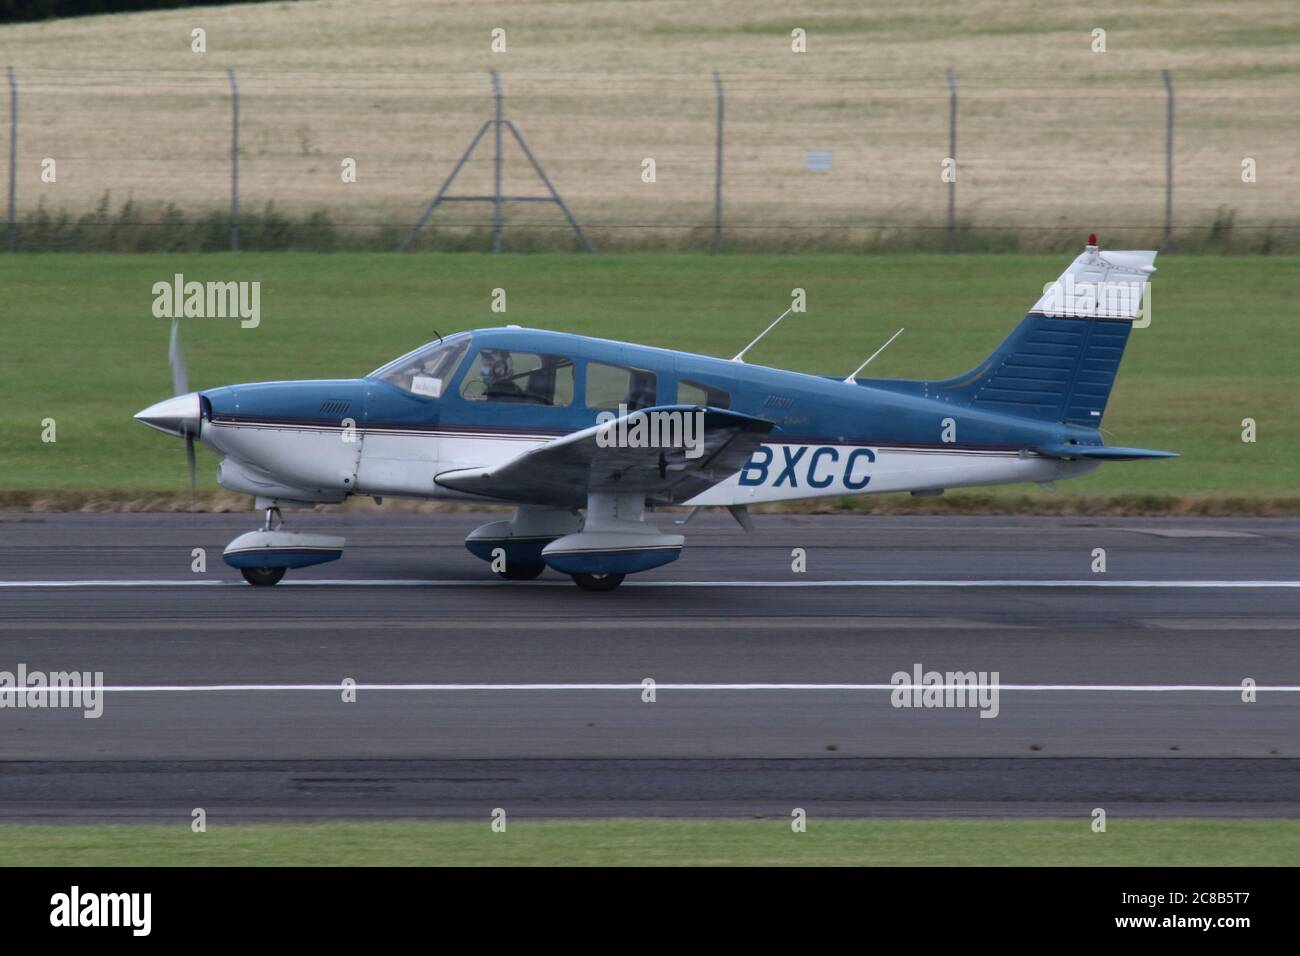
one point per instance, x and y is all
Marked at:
(426, 371)
(528, 378)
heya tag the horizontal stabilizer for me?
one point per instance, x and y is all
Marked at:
(1102, 452)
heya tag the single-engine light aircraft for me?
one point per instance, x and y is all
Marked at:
(581, 434)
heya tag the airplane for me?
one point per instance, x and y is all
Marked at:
(583, 435)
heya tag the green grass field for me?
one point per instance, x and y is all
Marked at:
(665, 842)
(82, 346)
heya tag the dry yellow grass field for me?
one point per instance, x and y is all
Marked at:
(1054, 138)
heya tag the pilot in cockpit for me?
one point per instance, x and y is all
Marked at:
(497, 371)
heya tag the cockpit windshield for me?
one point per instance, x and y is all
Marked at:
(428, 369)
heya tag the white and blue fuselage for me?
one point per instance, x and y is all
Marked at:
(512, 415)
(324, 440)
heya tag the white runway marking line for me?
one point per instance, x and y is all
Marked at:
(638, 687)
(871, 583)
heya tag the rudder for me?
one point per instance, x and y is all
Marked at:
(1060, 362)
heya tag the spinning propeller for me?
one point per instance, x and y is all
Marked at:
(181, 386)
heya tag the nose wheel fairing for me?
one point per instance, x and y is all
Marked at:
(282, 549)
(263, 556)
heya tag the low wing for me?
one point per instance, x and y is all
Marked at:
(562, 472)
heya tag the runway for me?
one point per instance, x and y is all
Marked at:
(772, 688)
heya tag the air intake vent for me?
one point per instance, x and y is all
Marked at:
(334, 407)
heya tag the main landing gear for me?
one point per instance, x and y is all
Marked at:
(262, 577)
(520, 572)
(597, 548)
(598, 582)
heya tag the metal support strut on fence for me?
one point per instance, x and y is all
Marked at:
(234, 162)
(1169, 161)
(13, 160)
(498, 123)
(717, 169)
(952, 154)
(497, 211)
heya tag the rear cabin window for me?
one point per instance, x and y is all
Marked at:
(697, 393)
(521, 378)
(609, 386)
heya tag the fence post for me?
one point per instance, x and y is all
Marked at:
(952, 154)
(1169, 161)
(497, 211)
(495, 197)
(234, 162)
(13, 160)
(717, 178)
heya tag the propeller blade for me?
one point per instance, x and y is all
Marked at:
(189, 457)
(180, 375)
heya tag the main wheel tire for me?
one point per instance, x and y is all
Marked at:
(521, 572)
(262, 577)
(598, 582)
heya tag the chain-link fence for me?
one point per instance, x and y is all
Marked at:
(333, 159)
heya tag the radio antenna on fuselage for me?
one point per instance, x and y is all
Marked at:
(740, 356)
(849, 380)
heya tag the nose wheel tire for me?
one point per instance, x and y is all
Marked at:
(262, 577)
(597, 582)
(521, 572)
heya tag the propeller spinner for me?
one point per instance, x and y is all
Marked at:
(180, 415)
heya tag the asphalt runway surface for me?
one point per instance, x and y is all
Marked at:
(772, 688)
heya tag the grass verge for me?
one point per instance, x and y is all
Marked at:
(665, 843)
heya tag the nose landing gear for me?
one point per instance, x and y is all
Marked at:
(273, 519)
(263, 556)
(265, 577)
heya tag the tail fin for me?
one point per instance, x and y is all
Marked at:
(1060, 362)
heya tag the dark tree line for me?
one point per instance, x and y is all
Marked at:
(21, 11)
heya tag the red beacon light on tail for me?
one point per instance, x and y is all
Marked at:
(1092, 239)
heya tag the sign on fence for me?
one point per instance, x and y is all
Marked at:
(817, 160)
